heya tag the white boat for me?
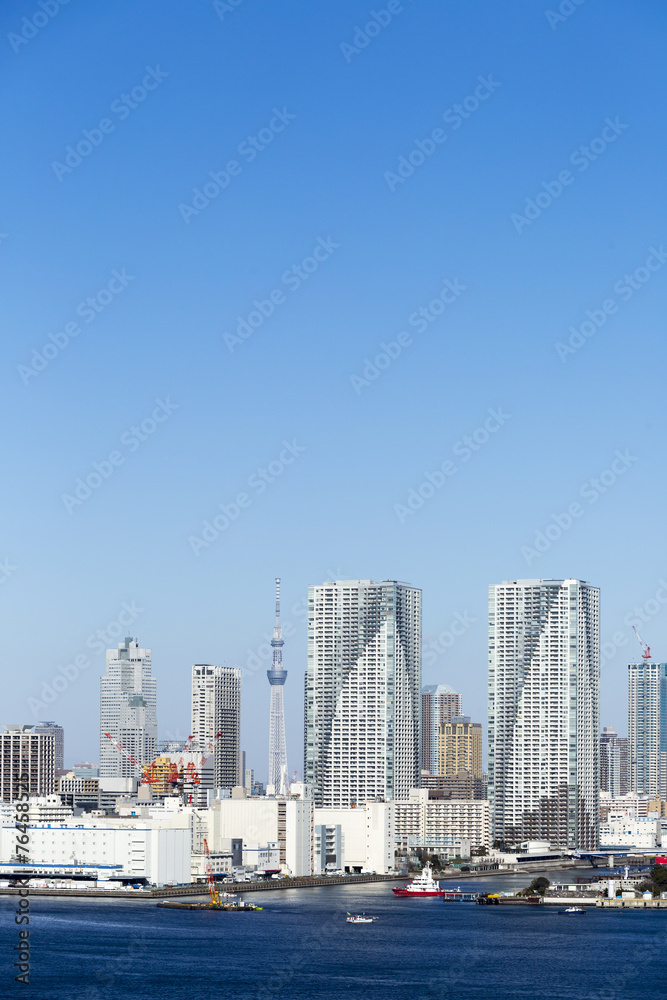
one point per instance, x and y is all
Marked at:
(422, 885)
(359, 918)
(573, 909)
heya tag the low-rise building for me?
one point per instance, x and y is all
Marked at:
(440, 821)
(625, 830)
(355, 839)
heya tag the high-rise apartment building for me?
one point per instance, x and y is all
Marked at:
(460, 744)
(439, 704)
(58, 733)
(363, 690)
(216, 709)
(543, 768)
(27, 763)
(128, 707)
(614, 762)
(647, 727)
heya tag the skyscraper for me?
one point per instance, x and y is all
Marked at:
(544, 773)
(614, 762)
(460, 747)
(362, 704)
(58, 733)
(439, 704)
(647, 727)
(128, 710)
(216, 709)
(277, 677)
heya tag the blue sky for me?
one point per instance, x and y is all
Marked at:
(530, 257)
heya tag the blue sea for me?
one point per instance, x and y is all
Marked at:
(299, 946)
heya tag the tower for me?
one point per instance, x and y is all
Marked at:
(216, 718)
(128, 699)
(544, 768)
(277, 677)
(439, 704)
(647, 727)
(363, 692)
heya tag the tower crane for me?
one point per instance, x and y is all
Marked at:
(646, 650)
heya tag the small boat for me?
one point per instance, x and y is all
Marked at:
(359, 918)
(422, 885)
(573, 909)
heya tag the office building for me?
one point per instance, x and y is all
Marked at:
(460, 747)
(79, 793)
(128, 711)
(544, 772)
(277, 677)
(439, 704)
(27, 763)
(58, 733)
(216, 719)
(647, 727)
(614, 762)
(363, 691)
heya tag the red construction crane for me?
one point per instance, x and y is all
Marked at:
(179, 774)
(148, 777)
(646, 650)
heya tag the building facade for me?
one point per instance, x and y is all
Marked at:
(614, 762)
(355, 839)
(543, 739)
(216, 720)
(363, 691)
(27, 763)
(128, 710)
(647, 727)
(441, 824)
(58, 733)
(439, 704)
(460, 747)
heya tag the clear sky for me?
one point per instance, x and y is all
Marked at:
(256, 197)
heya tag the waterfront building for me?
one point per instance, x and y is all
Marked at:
(128, 711)
(26, 754)
(543, 738)
(647, 727)
(58, 733)
(460, 747)
(439, 704)
(283, 820)
(622, 830)
(216, 709)
(363, 684)
(277, 677)
(614, 762)
(355, 839)
(425, 820)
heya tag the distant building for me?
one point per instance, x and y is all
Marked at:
(27, 763)
(128, 705)
(614, 762)
(58, 733)
(647, 727)
(363, 688)
(462, 785)
(439, 704)
(543, 736)
(83, 793)
(84, 769)
(622, 831)
(216, 709)
(460, 747)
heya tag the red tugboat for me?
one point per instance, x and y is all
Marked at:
(423, 885)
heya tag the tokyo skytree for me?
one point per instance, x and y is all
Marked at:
(277, 677)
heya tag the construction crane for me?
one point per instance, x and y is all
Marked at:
(148, 776)
(213, 892)
(646, 650)
(180, 775)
